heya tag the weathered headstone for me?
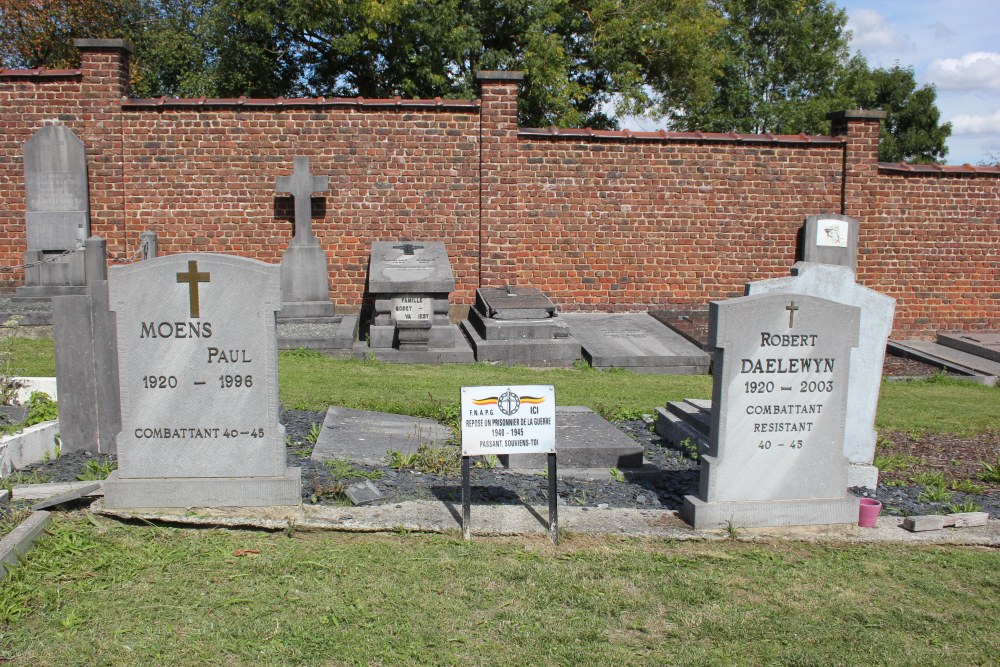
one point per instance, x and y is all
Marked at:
(836, 283)
(831, 239)
(87, 360)
(305, 290)
(197, 355)
(634, 341)
(57, 214)
(519, 325)
(410, 283)
(781, 371)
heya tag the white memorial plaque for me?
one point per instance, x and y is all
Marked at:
(412, 309)
(832, 233)
(508, 420)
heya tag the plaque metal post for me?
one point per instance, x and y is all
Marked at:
(553, 501)
(466, 500)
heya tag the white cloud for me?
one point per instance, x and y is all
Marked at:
(871, 32)
(970, 124)
(973, 71)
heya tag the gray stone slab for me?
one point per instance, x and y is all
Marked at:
(363, 493)
(411, 267)
(584, 439)
(954, 358)
(547, 328)
(513, 303)
(985, 344)
(364, 436)
(19, 541)
(48, 490)
(776, 453)
(305, 290)
(198, 374)
(57, 197)
(836, 283)
(831, 239)
(459, 353)
(635, 341)
(69, 497)
(552, 352)
(336, 333)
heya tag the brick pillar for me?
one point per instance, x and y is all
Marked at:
(861, 130)
(104, 64)
(498, 200)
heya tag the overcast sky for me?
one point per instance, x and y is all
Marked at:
(953, 44)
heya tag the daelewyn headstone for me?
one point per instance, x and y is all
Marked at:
(410, 282)
(831, 239)
(776, 456)
(57, 214)
(305, 290)
(519, 325)
(197, 354)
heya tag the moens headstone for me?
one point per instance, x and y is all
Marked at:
(305, 289)
(197, 353)
(57, 214)
(781, 371)
(519, 325)
(410, 283)
(836, 283)
(831, 239)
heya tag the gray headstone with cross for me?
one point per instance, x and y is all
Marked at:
(776, 452)
(197, 360)
(305, 290)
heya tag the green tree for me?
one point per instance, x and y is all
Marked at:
(912, 130)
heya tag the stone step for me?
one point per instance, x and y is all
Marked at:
(985, 344)
(984, 370)
(697, 418)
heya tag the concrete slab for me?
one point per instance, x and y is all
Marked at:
(18, 541)
(334, 333)
(69, 497)
(635, 341)
(461, 353)
(949, 358)
(985, 344)
(551, 352)
(364, 436)
(50, 490)
(584, 439)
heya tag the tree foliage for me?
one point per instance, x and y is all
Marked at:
(717, 65)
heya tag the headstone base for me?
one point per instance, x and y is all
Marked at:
(551, 352)
(325, 333)
(454, 349)
(704, 515)
(304, 288)
(133, 492)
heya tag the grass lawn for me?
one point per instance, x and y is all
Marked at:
(105, 593)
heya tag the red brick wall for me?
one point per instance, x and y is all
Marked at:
(599, 220)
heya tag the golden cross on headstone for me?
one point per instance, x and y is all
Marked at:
(791, 308)
(192, 278)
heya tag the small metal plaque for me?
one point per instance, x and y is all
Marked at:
(412, 309)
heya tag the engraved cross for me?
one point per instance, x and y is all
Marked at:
(192, 278)
(791, 308)
(301, 185)
(407, 248)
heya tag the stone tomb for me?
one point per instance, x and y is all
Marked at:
(776, 454)
(199, 385)
(519, 325)
(57, 213)
(635, 341)
(410, 283)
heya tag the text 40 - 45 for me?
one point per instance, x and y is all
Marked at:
(227, 381)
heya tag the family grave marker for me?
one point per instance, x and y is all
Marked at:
(197, 353)
(780, 395)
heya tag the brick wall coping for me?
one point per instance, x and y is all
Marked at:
(661, 135)
(951, 170)
(39, 72)
(238, 102)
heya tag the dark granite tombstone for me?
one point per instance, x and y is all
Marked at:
(57, 215)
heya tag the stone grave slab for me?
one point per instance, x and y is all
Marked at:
(776, 454)
(337, 334)
(837, 284)
(519, 325)
(980, 369)
(692, 323)
(634, 341)
(197, 355)
(585, 441)
(364, 436)
(985, 344)
(57, 213)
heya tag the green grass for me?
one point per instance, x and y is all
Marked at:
(938, 405)
(33, 357)
(116, 594)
